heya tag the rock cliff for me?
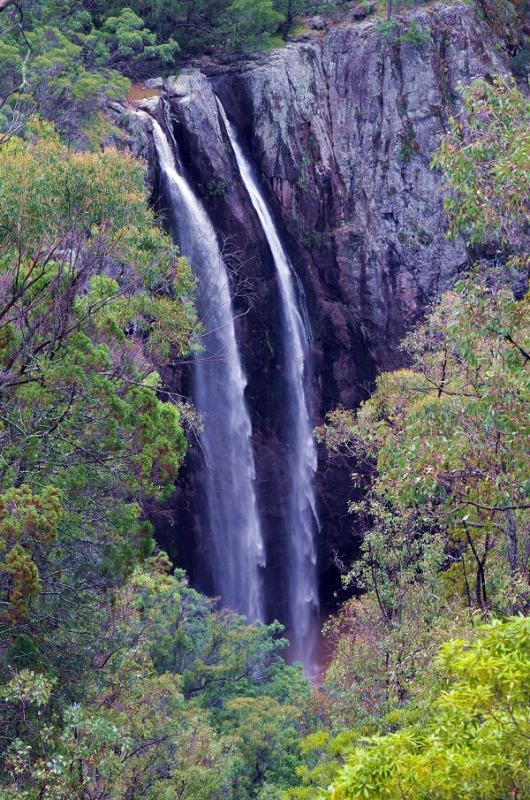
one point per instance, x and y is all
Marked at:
(340, 127)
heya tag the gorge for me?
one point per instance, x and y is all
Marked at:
(320, 189)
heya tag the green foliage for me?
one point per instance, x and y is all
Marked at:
(28, 523)
(80, 210)
(303, 178)
(323, 755)
(150, 725)
(221, 26)
(251, 22)
(128, 41)
(486, 159)
(94, 299)
(116, 681)
(446, 514)
(475, 740)
(66, 60)
(54, 63)
(121, 682)
(442, 455)
(415, 34)
(409, 145)
(318, 240)
(388, 29)
(395, 32)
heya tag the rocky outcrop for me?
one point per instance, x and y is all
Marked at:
(341, 128)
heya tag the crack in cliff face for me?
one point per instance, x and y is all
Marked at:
(341, 129)
(325, 73)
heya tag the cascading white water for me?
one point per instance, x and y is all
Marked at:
(303, 587)
(219, 386)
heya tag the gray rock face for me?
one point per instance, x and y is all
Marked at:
(341, 130)
(361, 11)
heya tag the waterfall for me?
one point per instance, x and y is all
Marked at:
(302, 519)
(219, 388)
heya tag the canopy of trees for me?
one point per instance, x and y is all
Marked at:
(65, 60)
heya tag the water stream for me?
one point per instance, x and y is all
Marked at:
(302, 518)
(219, 395)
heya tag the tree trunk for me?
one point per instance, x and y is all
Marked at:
(288, 19)
(511, 536)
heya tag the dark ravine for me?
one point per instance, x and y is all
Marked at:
(340, 129)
